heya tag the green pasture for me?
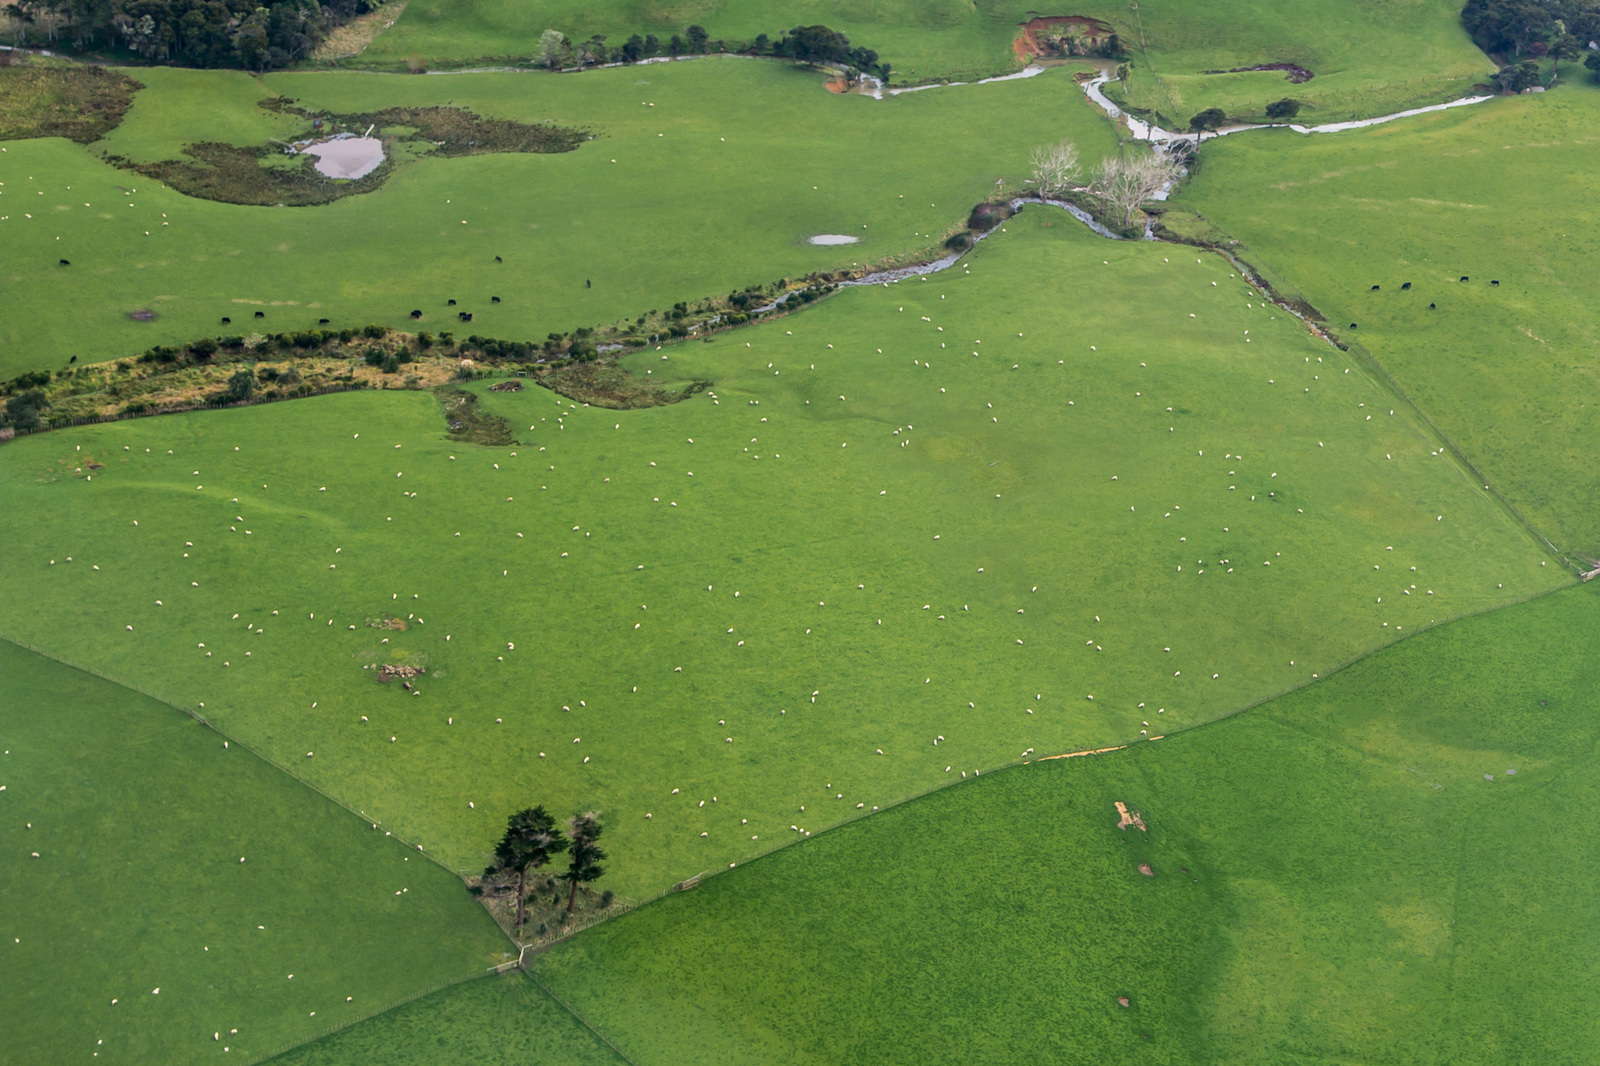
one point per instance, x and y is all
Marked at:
(132, 931)
(1113, 514)
(497, 1020)
(1368, 56)
(1502, 191)
(722, 170)
(1336, 878)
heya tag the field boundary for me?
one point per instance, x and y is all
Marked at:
(195, 714)
(570, 1009)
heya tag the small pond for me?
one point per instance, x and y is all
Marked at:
(347, 156)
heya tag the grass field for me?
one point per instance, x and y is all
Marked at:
(877, 551)
(498, 1020)
(715, 187)
(132, 930)
(1335, 880)
(1369, 56)
(1502, 191)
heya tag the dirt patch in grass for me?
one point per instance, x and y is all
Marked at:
(81, 104)
(1127, 817)
(1297, 74)
(605, 384)
(1028, 46)
(469, 422)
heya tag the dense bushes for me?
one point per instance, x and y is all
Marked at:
(803, 44)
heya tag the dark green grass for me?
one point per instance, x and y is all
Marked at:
(885, 549)
(140, 816)
(1368, 56)
(1498, 191)
(715, 187)
(497, 1020)
(1357, 892)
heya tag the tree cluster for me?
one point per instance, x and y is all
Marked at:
(1532, 28)
(803, 44)
(532, 840)
(252, 34)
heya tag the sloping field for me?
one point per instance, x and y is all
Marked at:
(1389, 866)
(843, 577)
(722, 170)
(505, 1020)
(168, 899)
(1502, 194)
(1368, 56)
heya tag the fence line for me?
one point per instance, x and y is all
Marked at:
(570, 1009)
(195, 714)
(369, 1015)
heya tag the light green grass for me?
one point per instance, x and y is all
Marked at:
(1498, 191)
(1356, 892)
(1257, 561)
(179, 107)
(715, 187)
(1368, 56)
(506, 1019)
(139, 818)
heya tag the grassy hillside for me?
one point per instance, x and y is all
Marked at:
(1100, 520)
(1369, 56)
(1501, 192)
(160, 888)
(1384, 867)
(722, 170)
(497, 1020)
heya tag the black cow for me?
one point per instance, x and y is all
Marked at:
(1375, 288)
(416, 314)
(1352, 325)
(66, 262)
(496, 299)
(261, 314)
(450, 303)
(322, 321)
(1431, 307)
(465, 316)
(1494, 283)
(1465, 278)
(497, 259)
(1405, 285)
(226, 320)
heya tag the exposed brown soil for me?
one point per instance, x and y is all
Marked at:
(1144, 868)
(836, 85)
(1128, 817)
(513, 385)
(1298, 75)
(1027, 46)
(1087, 751)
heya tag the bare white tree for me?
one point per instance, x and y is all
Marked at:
(552, 43)
(1128, 182)
(1055, 168)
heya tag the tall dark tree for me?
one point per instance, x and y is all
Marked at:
(1283, 110)
(1208, 121)
(816, 44)
(584, 855)
(698, 37)
(531, 839)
